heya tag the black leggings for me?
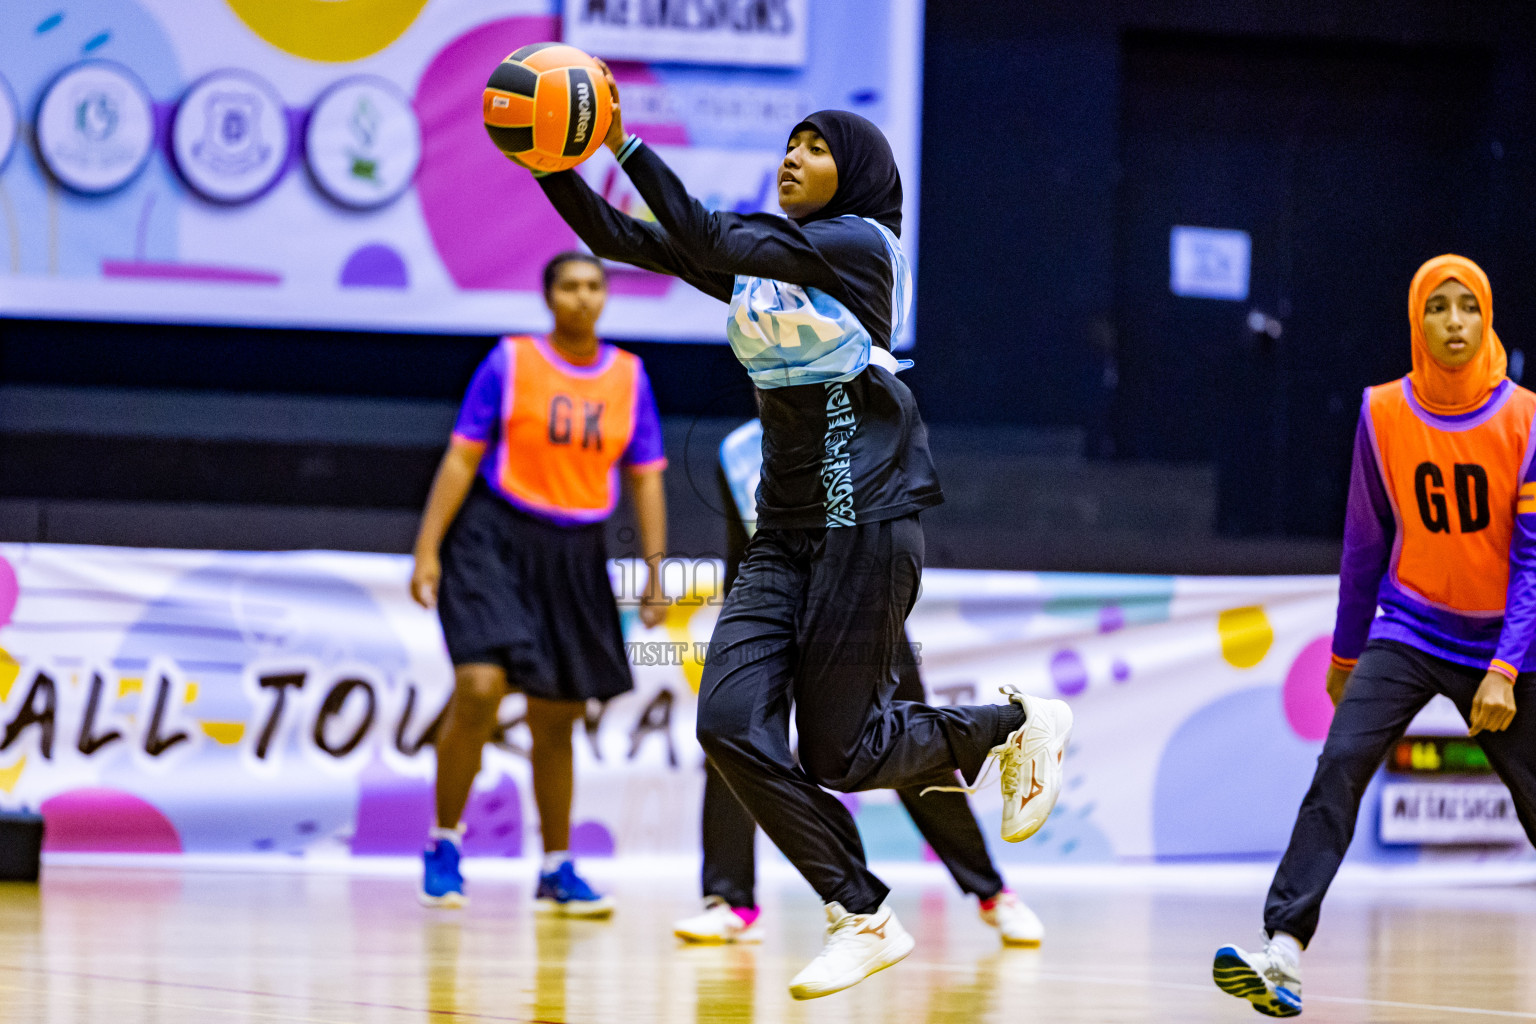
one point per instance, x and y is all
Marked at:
(944, 820)
(1390, 685)
(815, 619)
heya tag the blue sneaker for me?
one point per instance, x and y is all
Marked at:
(565, 893)
(1268, 980)
(442, 885)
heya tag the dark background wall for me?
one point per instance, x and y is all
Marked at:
(1353, 140)
(1062, 139)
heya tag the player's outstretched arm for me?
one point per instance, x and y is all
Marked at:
(755, 244)
(612, 235)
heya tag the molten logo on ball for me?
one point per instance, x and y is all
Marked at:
(583, 113)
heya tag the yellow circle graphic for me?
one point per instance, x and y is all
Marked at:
(1246, 636)
(328, 30)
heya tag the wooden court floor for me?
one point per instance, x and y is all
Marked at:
(163, 945)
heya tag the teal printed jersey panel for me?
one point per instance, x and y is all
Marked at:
(787, 335)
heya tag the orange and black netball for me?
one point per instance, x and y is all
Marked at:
(547, 106)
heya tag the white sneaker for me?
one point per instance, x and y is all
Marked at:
(857, 946)
(1015, 922)
(1030, 760)
(1270, 980)
(718, 923)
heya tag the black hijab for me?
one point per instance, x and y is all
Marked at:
(868, 183)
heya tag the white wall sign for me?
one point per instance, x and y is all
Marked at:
(230, 136)
(1448, 813)
(363, 143)
(1209, 263)
(9, 122)
(768, 33)
(95, 127)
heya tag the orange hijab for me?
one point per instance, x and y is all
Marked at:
(1438, 388)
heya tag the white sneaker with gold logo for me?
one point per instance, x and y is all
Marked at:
(857, 946)
(1030, 760)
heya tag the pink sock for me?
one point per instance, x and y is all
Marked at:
(748, 915)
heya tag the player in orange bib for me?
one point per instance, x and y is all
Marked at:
(511, 553)
(1440, 534)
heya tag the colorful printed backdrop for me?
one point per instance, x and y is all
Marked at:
(282, 240)
(162, 701)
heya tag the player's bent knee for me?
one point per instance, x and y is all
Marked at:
(833, 772)
(722, 733)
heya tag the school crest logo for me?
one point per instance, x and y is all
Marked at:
(95, 127)
(230, 137)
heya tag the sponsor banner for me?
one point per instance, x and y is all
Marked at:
(284, 702)
(301, 164)
(762, 33)
(1449, 813)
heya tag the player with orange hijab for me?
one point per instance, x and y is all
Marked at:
(1440, 534)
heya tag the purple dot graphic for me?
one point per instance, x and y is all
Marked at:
(1111, 618)
(591, 839)
(1069, 673)
(375, 266)
(1120, 670)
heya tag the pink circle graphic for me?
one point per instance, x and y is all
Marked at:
(488, 218)
(9, 591)
(106, 821)
(1307, 707)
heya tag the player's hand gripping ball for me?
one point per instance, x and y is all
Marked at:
(547, 106)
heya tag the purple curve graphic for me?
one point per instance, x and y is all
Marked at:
(187, 272)
(375, 266)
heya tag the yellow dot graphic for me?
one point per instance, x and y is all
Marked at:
(1246, 636)
(8, 673)
(328, 30)
(227, 733)
(11, 775)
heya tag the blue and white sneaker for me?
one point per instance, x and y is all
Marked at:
(441, 884)
(1269, 980)
(565, 893)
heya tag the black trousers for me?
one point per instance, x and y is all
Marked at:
(944, 820)
(1390, 685)
(815, 621)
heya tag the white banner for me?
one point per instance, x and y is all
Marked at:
(767, 33)
(1448, 813)
(239, 702)
(298, 163)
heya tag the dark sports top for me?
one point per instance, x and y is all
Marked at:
(842, 441)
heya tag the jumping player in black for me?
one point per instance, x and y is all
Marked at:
(816, 616)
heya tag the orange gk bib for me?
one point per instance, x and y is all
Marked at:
(565, 427)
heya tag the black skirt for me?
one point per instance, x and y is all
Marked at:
(533, 597)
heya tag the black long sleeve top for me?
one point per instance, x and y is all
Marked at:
(834, 454)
